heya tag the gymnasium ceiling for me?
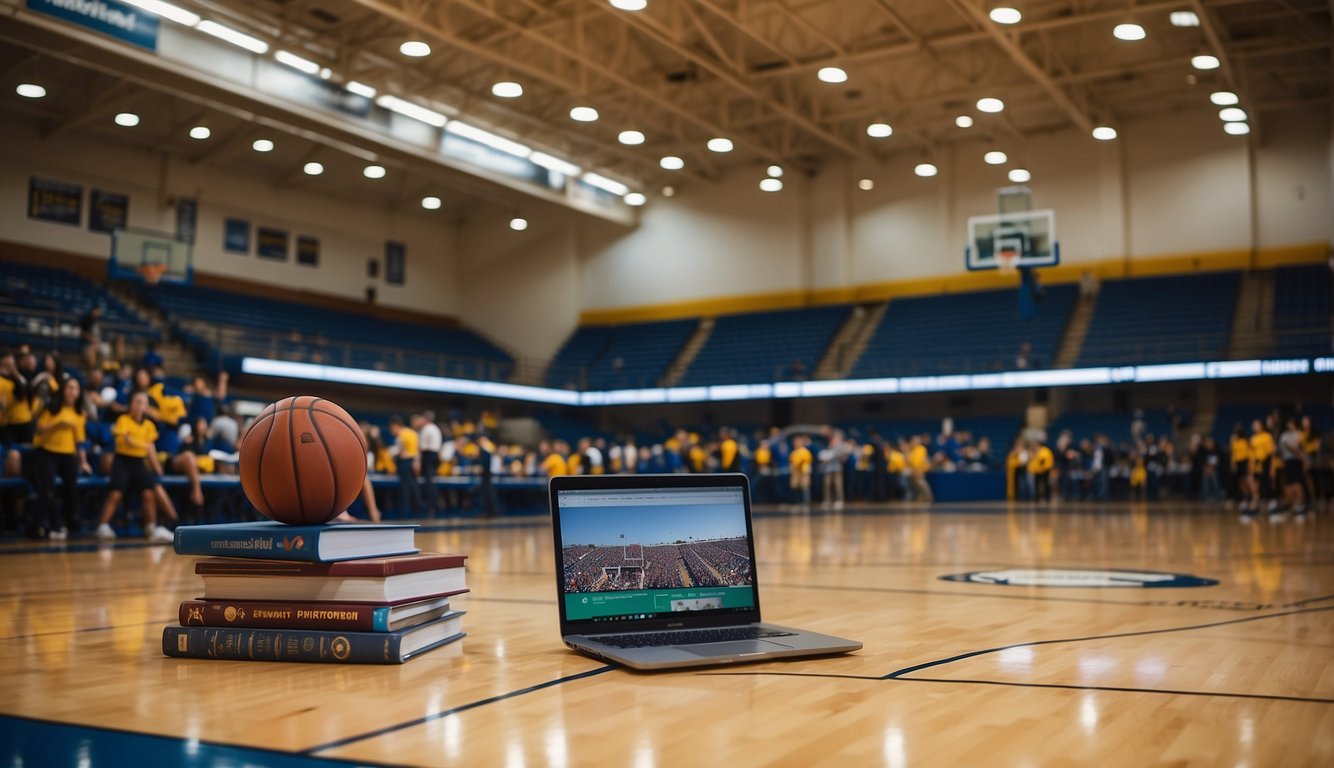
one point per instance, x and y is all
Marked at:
(685, 71)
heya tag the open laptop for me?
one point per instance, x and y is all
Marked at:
(658, 571)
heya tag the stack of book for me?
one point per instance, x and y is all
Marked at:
(331, 593)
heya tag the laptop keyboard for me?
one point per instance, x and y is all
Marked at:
(688, 637)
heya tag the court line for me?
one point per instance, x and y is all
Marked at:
(446, 713)
(89, 629)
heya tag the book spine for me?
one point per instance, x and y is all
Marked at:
(280, 645)
(333, 617)
(298, 547)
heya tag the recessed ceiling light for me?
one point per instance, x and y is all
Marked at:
(995, 157)
(415, 48)
(30, 91)
(313, 168)
(963, 121)
(636, 199)
(200, 132)
(584, 114)
(720, 144)
(507, 90)
(1205, 61)
(668, 191)
(1224, 98)
(866, 185)
(630, 5)
(774, 171)
(1232, 115)
(1237, 129)
(630, 138)
(879, 130)
(373, 171)
(1184, 19)
(925, 169)
(990, 104)
(431, 203)
(771, 184)
(518, 224)
(1128, 31)
(1003, 14)
(127, 119)
(832, 75)
(1019, 175)
(672, 163)
(262, 145)
(1104, 133)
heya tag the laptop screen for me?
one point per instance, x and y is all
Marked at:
(631, 554)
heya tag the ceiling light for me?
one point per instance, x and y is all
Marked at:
(1184, 19)
(630, 5)
(373, 171)
(296, 62)
(431, 203)
(1224, 98)
(1019, 175)
(166, 11)
(832, 75)
(771, 184)
(1128, 31)
(584, 114)
(668, 191)
(200, 132)
(720, 145)
(30, 91)
(414, 111)
(774, 171)
(555, 164)
(989, 104)
(262, 145)
(325, 73)
(995, 157)
(879, 130)
(1232, 115)
(925, 169)
(1104, 133)
(127, 119)
(963, 121)
(507, 90)
(605, 184)
(518, 224)
(1205, 61)
(473, 133)
(227, 34)
(631, 138)
(360, 89)
(866, 185)
(415, 48)
(313, 169)
(1236, 129)
(636, 199)
(1003, 14)
(672, 163)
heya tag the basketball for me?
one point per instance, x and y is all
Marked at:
(303, 461)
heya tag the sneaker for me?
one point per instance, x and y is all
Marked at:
(161, 535)
(1277, 517)
(105, 532)
(60, 534)
(1273, 506)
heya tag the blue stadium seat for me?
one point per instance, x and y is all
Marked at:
(43, 305)
(1186, 318)
(619, 357)
(1302, 310)
(765, 346)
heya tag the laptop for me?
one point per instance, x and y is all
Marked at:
(658, 571)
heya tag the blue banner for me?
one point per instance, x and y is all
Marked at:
(108, 211)
(308, 250)
(187, 218)
(271, 243)
(236, 236)
(55, 201)
(111, 18)
(394, 256)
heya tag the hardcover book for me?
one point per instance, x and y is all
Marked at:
(270, 540)
(376, 580)
(346, 617)
(311, 646)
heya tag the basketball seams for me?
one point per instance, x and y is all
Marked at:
(289, 489)
(291, 445)
(328, 459)
(259, 463)
(344, 418)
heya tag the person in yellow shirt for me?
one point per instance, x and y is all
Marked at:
(553, 461)
(1242, 478)
(800, 463)
(1139, 476)
(728, 452)
(896, 464)
(407, 462)
(58, 450)
(1262, 453)
(918, 464)
(134, 470)
(19, 425)
(1040, 464)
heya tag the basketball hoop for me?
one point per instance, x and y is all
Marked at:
(152, 273)
(1007, 261)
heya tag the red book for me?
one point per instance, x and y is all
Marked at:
(337, 617)
(377, 580)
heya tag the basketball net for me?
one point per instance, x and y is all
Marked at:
(152, 273)
(1007, 260)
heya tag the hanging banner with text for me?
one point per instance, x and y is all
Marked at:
(108, 211)
(55, 201)
(108, 17)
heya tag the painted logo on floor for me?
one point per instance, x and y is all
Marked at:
(1061, 577)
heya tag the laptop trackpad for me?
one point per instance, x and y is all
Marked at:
(733, 648)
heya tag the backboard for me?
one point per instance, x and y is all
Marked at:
(1014, 238)
(143, 254)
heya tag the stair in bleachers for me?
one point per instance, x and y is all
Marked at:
(1253, 322)
(1303, 308)
(850, 341)
(1075, 332)
(688, 353)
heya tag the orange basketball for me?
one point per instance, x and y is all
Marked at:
(303, 461)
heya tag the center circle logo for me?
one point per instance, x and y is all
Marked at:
(1065, 577)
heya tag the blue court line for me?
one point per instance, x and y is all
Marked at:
(454, 711)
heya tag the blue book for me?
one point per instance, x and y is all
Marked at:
(269, 540)
(310, 645)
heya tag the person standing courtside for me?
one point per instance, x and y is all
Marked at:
(58, 450)
(407, 462)
(430, 440)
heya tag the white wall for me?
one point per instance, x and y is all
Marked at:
(349, 231)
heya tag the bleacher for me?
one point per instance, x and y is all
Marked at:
(765, 346)
(964, 333)
(42, 306)
(1302, 311)
(223, 326)
(619, 357)
(1186, 318)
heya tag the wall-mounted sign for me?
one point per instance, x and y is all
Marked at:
(236, 236)
(108, 211)
(271, 243)
(55, 201)
(308, 250)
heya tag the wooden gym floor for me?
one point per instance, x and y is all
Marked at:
(953, 673)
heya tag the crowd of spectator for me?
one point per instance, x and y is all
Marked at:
(721, 563)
